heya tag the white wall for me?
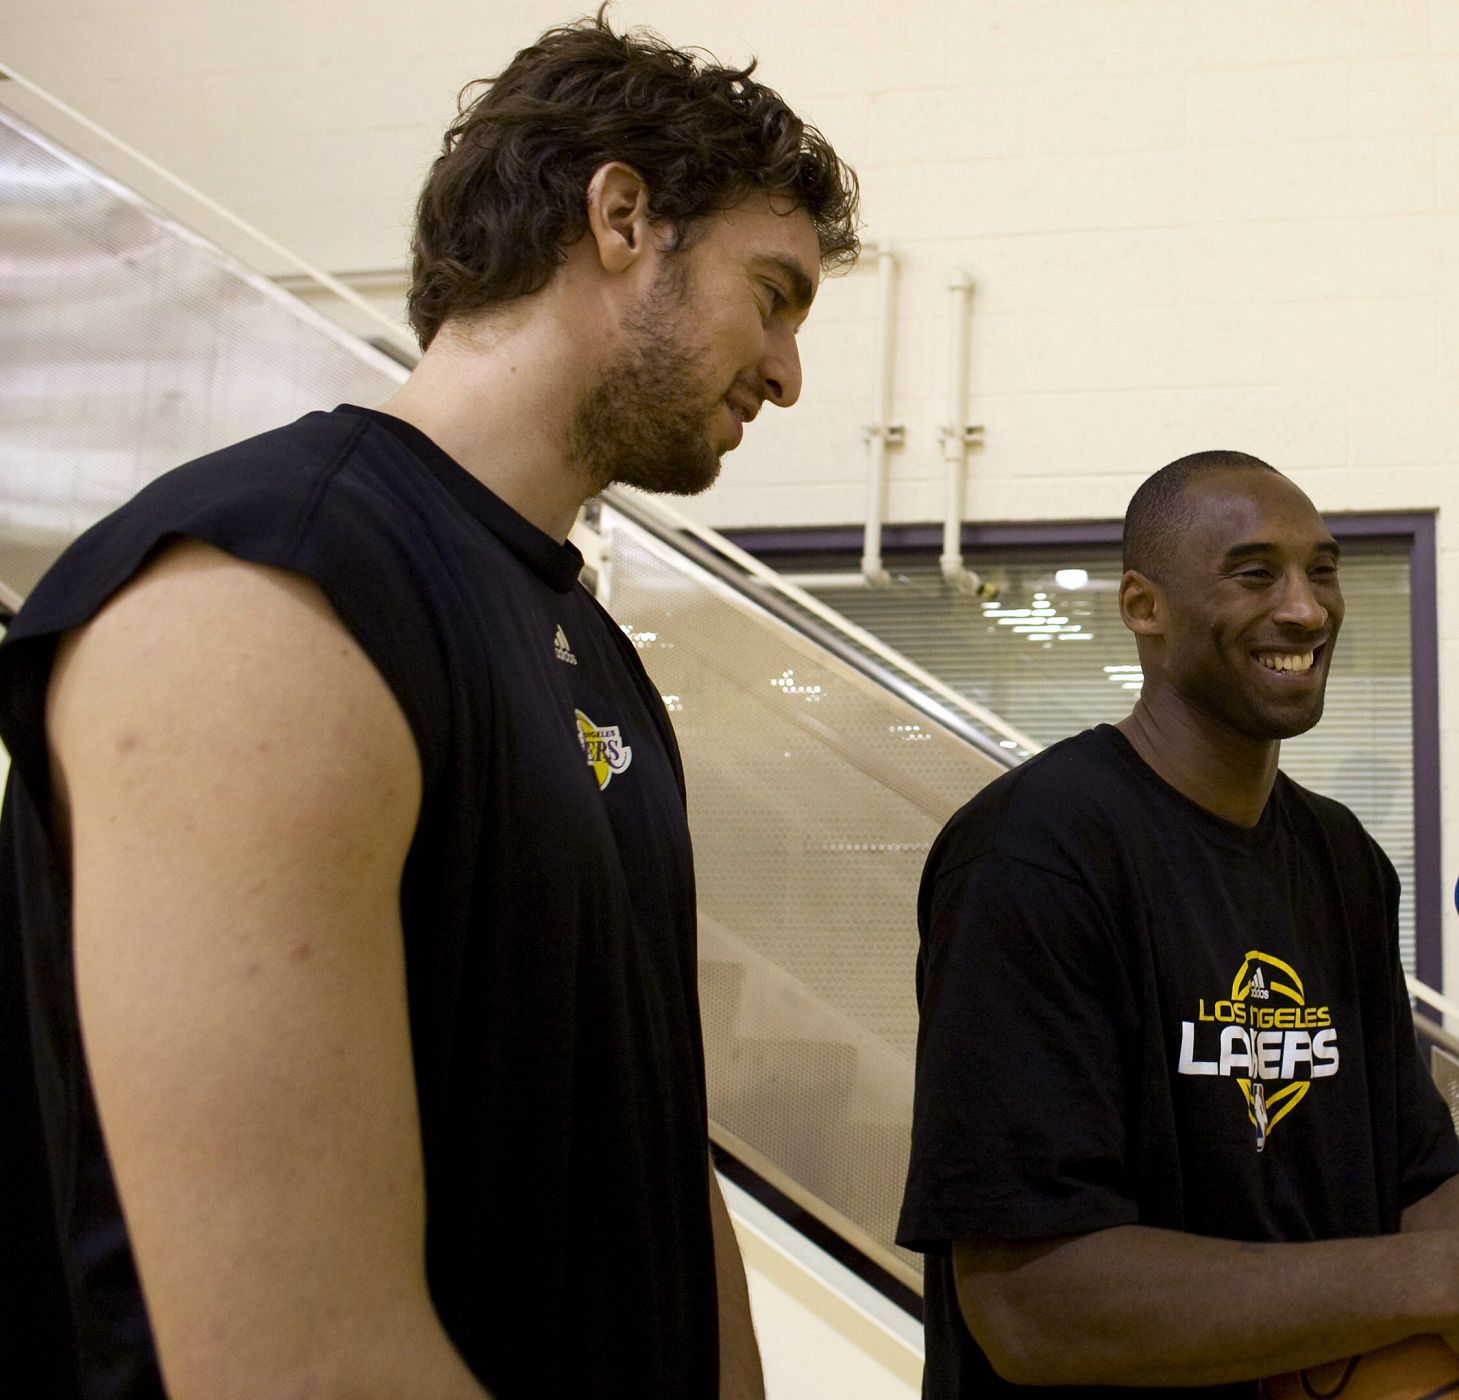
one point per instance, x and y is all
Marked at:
(1192, 223)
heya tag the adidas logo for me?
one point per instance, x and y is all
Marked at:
(1259, 990)
(560, 646)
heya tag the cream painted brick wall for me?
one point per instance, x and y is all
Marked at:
(1190, 222)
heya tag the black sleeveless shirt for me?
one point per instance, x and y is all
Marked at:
(549, 923)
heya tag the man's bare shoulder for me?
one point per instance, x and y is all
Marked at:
(204, 658)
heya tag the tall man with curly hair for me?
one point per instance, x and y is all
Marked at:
(345, 843)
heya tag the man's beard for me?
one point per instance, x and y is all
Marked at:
(645, 422)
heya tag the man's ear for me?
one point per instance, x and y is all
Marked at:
(1142, 604)
(618, 221)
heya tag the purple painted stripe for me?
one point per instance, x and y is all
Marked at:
(769, 540)
(1428, 897)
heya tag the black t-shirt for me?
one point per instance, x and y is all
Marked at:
(549, 921)
(1133, 1011)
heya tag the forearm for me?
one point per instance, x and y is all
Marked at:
(1147, 1307)
(352, 1359)
(740, 1374)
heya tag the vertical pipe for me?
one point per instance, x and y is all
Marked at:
(956, 438)
(879, 430)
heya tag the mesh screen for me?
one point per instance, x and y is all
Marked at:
(814, 796)
(130, 346)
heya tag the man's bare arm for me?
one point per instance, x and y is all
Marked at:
(240, 789)
(1146, 1307)
(740, 1373)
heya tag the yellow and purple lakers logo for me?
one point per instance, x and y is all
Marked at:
(1267, 1036)
(603, 747)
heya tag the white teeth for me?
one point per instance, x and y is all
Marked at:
(1296, 662)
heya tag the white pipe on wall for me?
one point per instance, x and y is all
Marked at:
(880, 432)
(957, 437)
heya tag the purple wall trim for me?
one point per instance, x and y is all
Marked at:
(773, 540)
(1415, 529)
(1429, 886)
(768, 541)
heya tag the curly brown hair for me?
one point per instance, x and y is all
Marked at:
(507, 194)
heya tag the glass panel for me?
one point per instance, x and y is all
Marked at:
(131, 346)
(814, 796)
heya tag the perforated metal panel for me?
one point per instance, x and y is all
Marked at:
(130, 346)
(814, 796)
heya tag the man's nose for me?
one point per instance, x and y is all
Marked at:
(1299, 604)
(780, 369)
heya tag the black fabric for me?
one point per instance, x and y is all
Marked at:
(1090, 941)
(549, 916)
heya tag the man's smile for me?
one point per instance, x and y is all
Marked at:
(1290, 662)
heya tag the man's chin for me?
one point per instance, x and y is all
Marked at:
(1289, 725)
(681, 479)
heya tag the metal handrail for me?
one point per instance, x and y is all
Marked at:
(764, 588)
(1437, 1001)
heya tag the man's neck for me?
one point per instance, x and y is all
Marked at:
(498, 401)
(1226, 773)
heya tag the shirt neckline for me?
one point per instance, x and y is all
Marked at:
(557, 564)
(1249, 838)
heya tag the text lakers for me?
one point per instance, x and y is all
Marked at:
(1278, 1042)
(1266, 1038)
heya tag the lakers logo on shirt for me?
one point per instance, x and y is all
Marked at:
(1266, 1037)
(603, 747)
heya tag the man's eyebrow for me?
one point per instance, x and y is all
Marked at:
(1239, 551)
(802, 289)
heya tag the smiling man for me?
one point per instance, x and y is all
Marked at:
(350, 989)
(1171, 1126)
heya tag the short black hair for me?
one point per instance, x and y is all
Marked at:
(508, 192)
(1160, 512)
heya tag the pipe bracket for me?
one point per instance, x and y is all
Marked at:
(894, 434)
(970, 435)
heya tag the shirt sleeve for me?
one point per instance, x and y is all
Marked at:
(1021, 1118)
